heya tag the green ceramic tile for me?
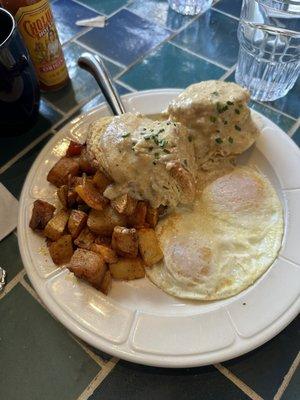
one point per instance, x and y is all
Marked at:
(105, 6)
(14, 144)
(129, 381)
(159, 11)
(10, 258)
(292, 392)
(264, 369)
(296, 137)
(284, 122)
(170, 66)
(14, 177)
(82, 85)
(42, 361)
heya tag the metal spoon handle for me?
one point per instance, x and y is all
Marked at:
(95, 66)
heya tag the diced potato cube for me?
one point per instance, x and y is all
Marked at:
(85, 239)
(152, 216)
(61, 251)
(103, 240)
(149, 246)
(91, 195)
(103, 222)
(125, 241)
(42, 212)
(56, 226)
(138, 218)
(101, 181)
(62, 170)
(62, 194)
(89, 266)
(74, 149)
(77, 222)
(108, 254)
(124, 204)
(106, 283)
(127, 269)
(85, 164)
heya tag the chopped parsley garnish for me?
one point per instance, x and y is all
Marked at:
(168, 123)
(144, 129)
(230, 139)
(150, 148)
(225, 122)
(190, 138)
(125, 135)
(156, 155)
(162, 143)
(185, 162)
(160, 131)
(147, 137)
(215, 93)
(230, 103)
(212, 118)
(237, 111)
(153, 162)
(221, 108)
(238, 128)
(166, 151)
(219, 140)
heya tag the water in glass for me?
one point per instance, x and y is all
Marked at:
(269, 56)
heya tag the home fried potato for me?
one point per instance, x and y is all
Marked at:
(61, 251)
(106, 283)
(89, 193)
(103, 240)
(138, 218)
(74, 149)
(85, 164)
(62, 194)
(149, 246)
(102, 222)
(108, 254)
(124, 204)
(127, 269)
(125, 241)
(85, 239)
(64, 168)
(89, 266)
(42, 212)
(57, 224)
(77, 222)
(101, 181)
(152, 216)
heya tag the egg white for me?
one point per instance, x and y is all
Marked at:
(229, 239)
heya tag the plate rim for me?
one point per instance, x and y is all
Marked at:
(142, 358)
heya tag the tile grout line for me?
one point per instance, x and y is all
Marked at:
(274, 109)
(153, 49)
(94, 356)
(228, 72)
(126, 86)
(238, 382)
(89, 8)
(98, 379)
(287, 378)
(85, 46)
(10, 285)
(55, 108)
(73, 38)
(224, 13)
(26, 149)
(294, 128)
(200, 56)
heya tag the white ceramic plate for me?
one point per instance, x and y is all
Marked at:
(139, 322)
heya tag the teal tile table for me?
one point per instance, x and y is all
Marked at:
(144, 45)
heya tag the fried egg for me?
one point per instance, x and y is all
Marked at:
(222, 246)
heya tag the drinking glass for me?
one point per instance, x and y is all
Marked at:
(190, 7)
(269, 56)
